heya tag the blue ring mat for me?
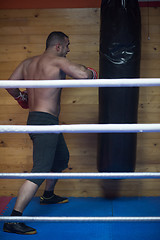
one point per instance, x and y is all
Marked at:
(134, 206)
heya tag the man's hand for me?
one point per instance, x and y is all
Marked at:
(22, 99)
(94, 73)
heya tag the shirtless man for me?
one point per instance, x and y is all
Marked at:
(50, 153)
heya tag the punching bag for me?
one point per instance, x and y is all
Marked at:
(120, 36)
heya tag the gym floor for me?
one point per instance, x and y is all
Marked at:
(100, 207)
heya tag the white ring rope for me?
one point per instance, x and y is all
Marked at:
(111, 175)
(138, 82)
(81, 128)
(78, 219)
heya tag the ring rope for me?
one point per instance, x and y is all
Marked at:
(137, 82)
(78, 219)
(111, 175)
(81, 128)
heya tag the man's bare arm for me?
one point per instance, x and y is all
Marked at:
(74, 70)
(20, 97)
(16, 75)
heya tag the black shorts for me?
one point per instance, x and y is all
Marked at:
(50, 152)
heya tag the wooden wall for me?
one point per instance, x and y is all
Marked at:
(23, 34)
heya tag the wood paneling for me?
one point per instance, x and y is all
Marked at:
(23, 34)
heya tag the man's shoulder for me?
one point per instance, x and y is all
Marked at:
(30, 59)
(54, 60)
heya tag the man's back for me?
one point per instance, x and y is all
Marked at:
(43, 67)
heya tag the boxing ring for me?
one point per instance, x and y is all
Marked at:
(81, 128)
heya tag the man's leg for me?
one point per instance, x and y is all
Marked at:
(50, 184)
(25, 194)
(48, 196)
(60, 163)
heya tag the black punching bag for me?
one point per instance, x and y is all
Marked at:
(120, 38)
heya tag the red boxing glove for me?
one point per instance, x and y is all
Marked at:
(95, 74)
(22, 99)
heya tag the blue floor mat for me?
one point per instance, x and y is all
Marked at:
(92, 231)
(136, 207)
(139, 206)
